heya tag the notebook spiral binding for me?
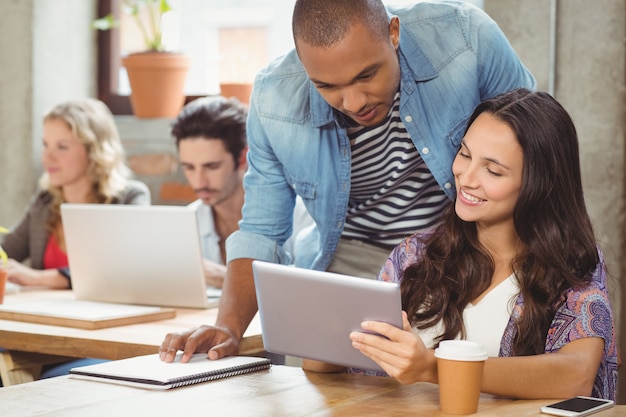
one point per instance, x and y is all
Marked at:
(225, 373)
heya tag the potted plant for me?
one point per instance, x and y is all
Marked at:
(3, 255)
(156, 76)
(3, 273)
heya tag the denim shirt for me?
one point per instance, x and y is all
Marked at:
(452, 56)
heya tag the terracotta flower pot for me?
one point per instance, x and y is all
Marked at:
(241, 91)
(157, 83)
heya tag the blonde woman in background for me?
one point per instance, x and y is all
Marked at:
(84, 162)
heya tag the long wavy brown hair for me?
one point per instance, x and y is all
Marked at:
(558, 247)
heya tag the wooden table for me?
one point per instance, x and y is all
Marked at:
(280, 391)
(30, 346)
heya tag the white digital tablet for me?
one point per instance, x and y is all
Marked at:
(310, 314)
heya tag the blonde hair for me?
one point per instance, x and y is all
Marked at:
(92, 123)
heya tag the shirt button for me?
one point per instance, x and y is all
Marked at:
(448, 186)
(408, 119)
(425, 151)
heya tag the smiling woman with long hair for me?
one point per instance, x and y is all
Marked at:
(513, 265)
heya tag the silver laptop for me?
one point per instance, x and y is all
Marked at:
(310, 314)
(129, 254)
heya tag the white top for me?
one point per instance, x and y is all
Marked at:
(210, 240)
(485, 321)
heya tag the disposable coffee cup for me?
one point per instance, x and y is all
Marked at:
(3, 284)
(460, 366)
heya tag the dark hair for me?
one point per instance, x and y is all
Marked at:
(558, 246)
(215, 118)
(326, 22)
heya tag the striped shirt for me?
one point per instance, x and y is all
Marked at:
(393, 194)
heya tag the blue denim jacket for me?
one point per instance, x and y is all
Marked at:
(452, 56)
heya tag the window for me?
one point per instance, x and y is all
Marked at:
(228, 42)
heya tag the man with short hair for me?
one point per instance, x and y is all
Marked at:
(211, 140)
(212, 146)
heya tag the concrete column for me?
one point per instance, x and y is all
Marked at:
(16, 130)
(48, 56)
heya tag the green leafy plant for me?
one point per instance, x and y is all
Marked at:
(150, 30)
(3, 255)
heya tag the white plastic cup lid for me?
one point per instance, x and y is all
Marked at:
(461, 350)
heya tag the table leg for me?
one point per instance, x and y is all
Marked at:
(19, 367)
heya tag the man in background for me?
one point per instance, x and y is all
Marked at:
(212, 146)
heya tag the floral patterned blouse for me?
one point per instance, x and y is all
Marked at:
(585, 313)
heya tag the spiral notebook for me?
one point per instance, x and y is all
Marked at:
(151, 373)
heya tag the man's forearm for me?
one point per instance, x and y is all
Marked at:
(238, 303)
